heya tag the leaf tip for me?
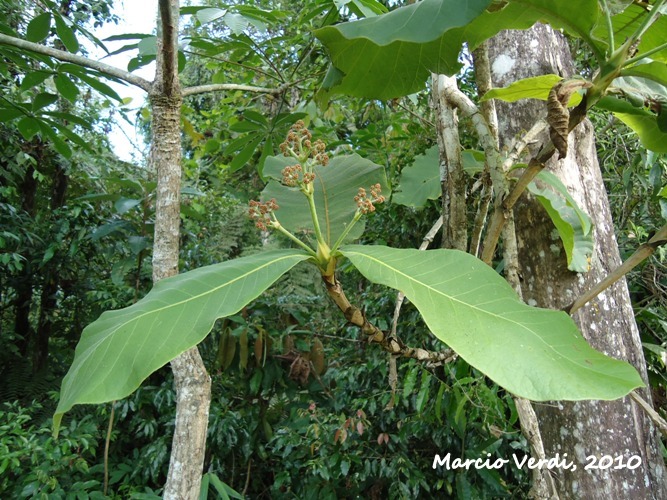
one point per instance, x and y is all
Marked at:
(57, 419)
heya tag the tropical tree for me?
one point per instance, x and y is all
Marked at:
(322, 202)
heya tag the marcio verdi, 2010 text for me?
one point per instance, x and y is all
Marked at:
(488, 463)
(556, 462)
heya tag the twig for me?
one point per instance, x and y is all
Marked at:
(482, 213)
(452, 176)
(373, 334)
(168, 56)
(653, 415)
(523, 142)
(535, 166)
(222, 87)
(484, 84)
(400, 298)
(107, 441)
(642, 253)
(428, 239)
(62, 55)
(247, 479)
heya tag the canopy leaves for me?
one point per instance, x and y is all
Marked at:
(393, 54)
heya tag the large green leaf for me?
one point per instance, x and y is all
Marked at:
(420, 181)
(647, 129)
(392, 55)
(336, 185)
(119, 350)
(39, 28)
(650, 70)
(522, 14)
(66, 35)
(624, 25)
(534, 353)
(573, 224)
(535, 87)
(644, 123)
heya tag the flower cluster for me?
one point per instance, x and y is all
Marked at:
(292, 176)
(261, 213)
(299, 145)
(365, 203)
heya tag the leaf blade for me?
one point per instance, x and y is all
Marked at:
(573, 224)
(391, 55)
(335, 186)
(111, 361)
(534, 353)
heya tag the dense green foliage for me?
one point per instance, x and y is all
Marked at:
(274, 431)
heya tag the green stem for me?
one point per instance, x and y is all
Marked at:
(341, 238)
(610, 27)
(313, 215)
(645, 54)
(648, 21)
(279, 227)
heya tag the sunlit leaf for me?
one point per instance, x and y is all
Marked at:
(656, 71)
(393, 54)
(148, 46)
(642, 121)
(648, 130)
(536, 87)
(534, 353)
(625, 24)
(209, 14)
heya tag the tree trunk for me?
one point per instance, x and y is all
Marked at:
(586, 428)
(452, 175)
(48, 301)
(193, 384)
(24, 283)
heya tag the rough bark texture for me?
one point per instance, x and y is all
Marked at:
(581, 429)
(193, 384)
(452, 176)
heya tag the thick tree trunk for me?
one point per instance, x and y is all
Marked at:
(587, 428)
(193, 384)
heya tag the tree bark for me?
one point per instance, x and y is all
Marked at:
(452, 176)
(193, 384)
(585, 428)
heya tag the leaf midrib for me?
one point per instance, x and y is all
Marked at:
(504, 318)
(136, 318)
(594, 368)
